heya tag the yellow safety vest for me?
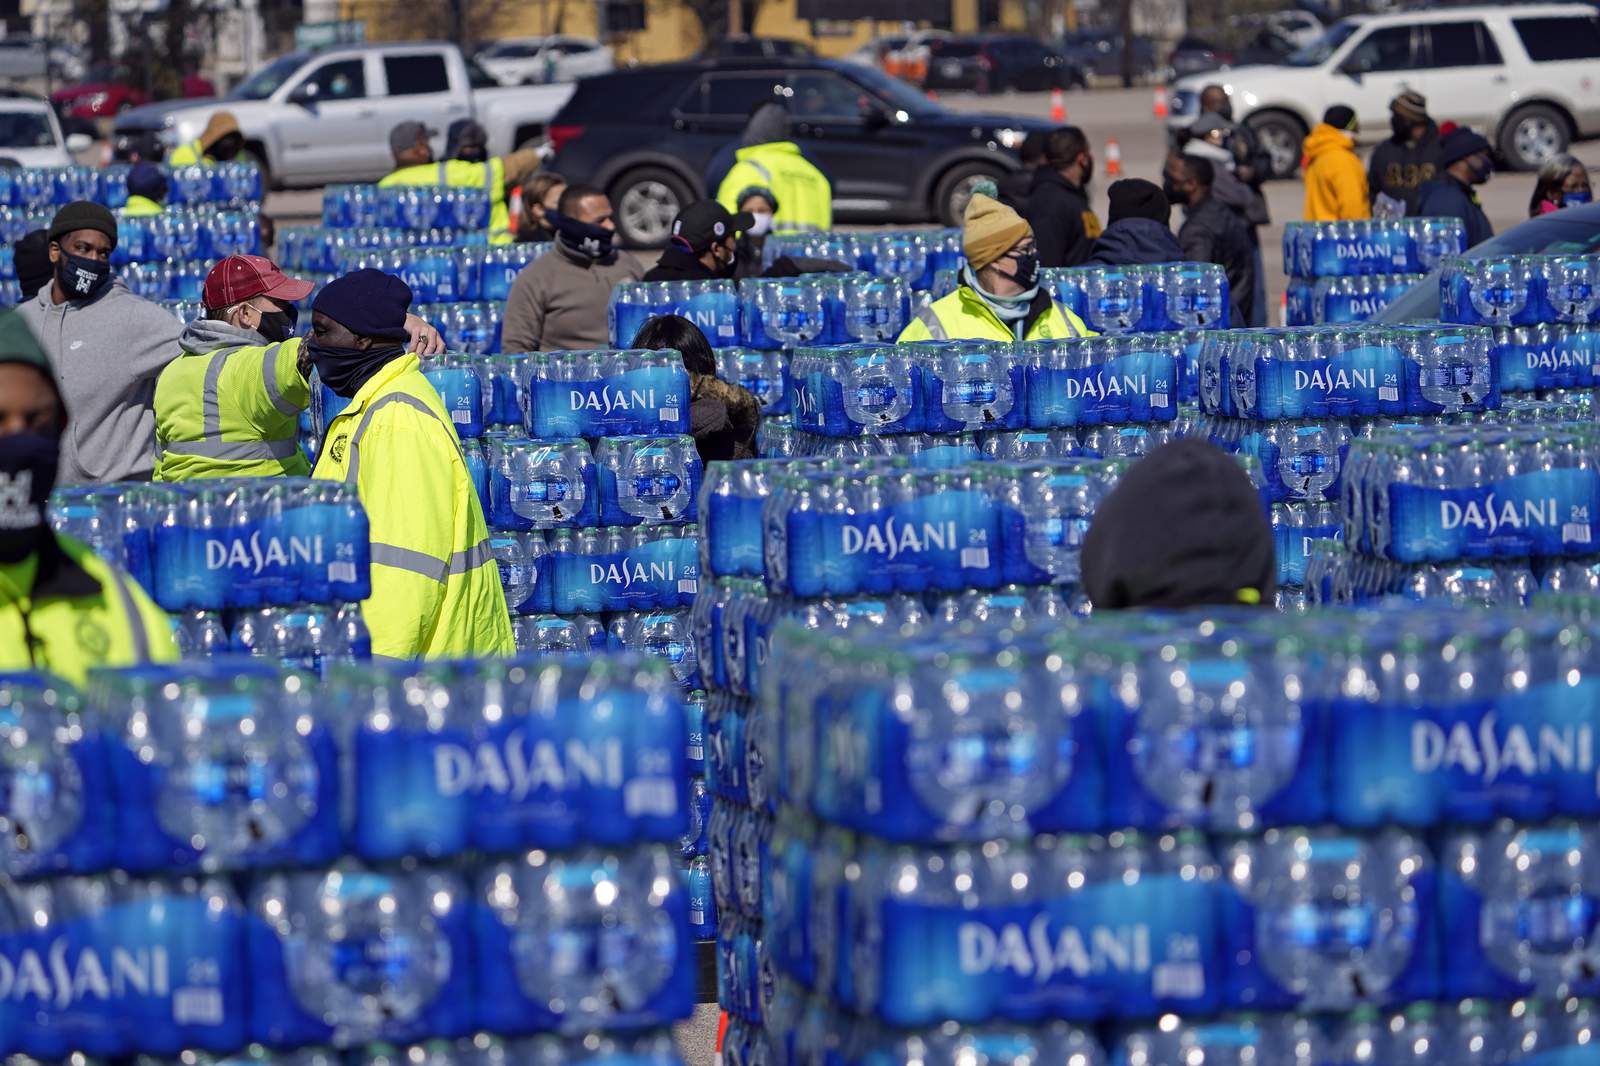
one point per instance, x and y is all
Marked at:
(77, 612)
(435, 585)
(805, 199)
(963, 316)
(142, 207)
(187, 155)
(490, 176)
(232, 412)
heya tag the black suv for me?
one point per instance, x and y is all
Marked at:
(647, 134)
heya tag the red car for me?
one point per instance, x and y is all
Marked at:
(102, 96)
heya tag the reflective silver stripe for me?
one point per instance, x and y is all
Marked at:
(488, 180)
(412, 561)
(233, 449)
(444, 169)
(269, 377)
(130, 607)
(471, 558)
(935, 328)
(766, 175)
(366, 417)
(210, 408)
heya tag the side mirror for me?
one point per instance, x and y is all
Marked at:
(874, 117)
(305, 94)
(78, 143)
(1353, 68)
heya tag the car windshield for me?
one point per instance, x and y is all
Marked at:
(26, 129)
(1317, 52)
(894, 92)
(266, 81)
(1575, 231)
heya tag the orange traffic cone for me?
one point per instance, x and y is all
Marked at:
(1113, 158)
(1161, 102)
(1058, 106)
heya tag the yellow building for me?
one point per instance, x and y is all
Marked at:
(671, 31)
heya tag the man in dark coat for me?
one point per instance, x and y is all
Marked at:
(1467, 162)
(1140, 231)
(1213, 232)
(1408, 160)
(1058, 208)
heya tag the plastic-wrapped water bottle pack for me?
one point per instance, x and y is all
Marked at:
(1343, 300)
(918, 257)
(260, 893)
(1162, 298)
(1520, 290)
(1370, 246)
(409, 207)
(33, 188)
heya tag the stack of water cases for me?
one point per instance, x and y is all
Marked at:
(1342, 272)
(1229, 838)
(1119, 393)
(1296, 399)
(462, 863)
(434, 237)
(270, 567)
(929, 261)
(212, 212)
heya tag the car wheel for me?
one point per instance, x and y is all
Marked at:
(1532, 135)
(646, 201)
(1281, 135)
(955, 189)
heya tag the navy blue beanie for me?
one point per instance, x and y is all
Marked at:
(368, 303)
(145, 179)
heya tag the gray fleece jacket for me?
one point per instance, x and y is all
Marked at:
(107, 353)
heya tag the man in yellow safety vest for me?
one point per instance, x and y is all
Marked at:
(999, 297)
(435, 585)
(220, 142)
(229, 405)
(768, 159)
(471, 168)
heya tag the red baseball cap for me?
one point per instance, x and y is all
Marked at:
(241, 277)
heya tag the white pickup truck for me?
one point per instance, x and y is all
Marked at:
(310, 118)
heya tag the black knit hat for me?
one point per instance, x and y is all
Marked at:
(1340, 117)
(81, 214)
(1137, 198)
(1183, 528)
(368, 303)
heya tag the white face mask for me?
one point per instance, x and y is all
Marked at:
(762, 225)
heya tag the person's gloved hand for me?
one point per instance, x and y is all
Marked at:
(423, 338)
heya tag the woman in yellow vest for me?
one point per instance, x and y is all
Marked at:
(768, 159)
(61, 609)
(435, 585)
(469, 167)
(999, 298)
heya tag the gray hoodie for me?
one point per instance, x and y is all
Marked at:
(107, 353)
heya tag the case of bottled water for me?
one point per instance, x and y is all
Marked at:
(459, 382)
(545, 484)
(1337, 301)
(359, 953)
(666, 635)
(527, 576)
(855, 389)
(306, 637)
(486, 273)
(551, 633)
(1295, 526)
(586, 940)
(1517, 910)
(1099, 380)
(431, 273)
(624, 568)
(1300, 460)
(1424, 494)
(764, 373)
(502, 404)
(1545, 356)
(470, 328)
(1520, 290)
(219, 765)
(1127, 299)
(602, 394)
(249, 542)
(57, 808)
(1370, 246)
(648, 480)
(713, 306)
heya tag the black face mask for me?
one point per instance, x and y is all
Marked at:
(278, 326)
(28, 463)
(1174, 194)
(582, 238)
(1400, 127)
(1027, 272)
(82, 278)
(345, 370)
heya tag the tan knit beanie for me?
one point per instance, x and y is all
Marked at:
(989, 230)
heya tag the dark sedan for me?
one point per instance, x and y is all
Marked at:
(1574, 231)
(993, 63)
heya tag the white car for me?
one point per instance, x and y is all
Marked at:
(1523, 74)
(537, 60)
(30, 134)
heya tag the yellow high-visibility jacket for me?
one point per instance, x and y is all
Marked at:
(435, 585)
(963, 315)
(805, 199)
(232, 411)
(491, 177)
